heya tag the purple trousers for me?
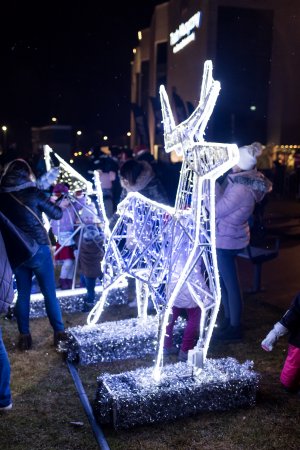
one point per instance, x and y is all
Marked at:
(191, 331)
(290, 374)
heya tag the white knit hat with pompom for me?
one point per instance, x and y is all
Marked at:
(248, 155)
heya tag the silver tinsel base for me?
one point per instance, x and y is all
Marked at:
(72, 300)
(111, 341)
(134, 398)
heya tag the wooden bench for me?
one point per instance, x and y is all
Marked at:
(258, 255)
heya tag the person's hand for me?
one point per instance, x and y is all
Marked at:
(271, 339)
(64, 203)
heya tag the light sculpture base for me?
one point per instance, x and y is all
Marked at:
(72, 300)
(120, 340)
(134, 398)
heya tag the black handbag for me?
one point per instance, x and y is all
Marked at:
(19, 246)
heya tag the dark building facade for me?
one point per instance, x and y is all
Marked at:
(58, 137)
(255, 49)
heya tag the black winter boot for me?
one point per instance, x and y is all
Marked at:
(25, 342)
(59, 336)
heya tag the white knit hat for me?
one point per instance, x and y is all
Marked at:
(248, 155)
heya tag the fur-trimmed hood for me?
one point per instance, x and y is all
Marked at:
(146, 176)
(255, 180)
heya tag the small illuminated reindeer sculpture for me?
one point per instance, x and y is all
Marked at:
(165, 248)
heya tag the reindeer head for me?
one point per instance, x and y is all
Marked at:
(191, 130)
(187, 137)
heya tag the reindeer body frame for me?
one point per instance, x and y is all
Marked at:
(166, 248)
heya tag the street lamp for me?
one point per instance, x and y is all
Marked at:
(78, 134)
(4, 129)
(128, 134)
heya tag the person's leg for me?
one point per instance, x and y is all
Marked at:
(230, 286)
(5, 393)
(222, 261)
(43, 268)
(192, 329)
(290, 374)
(90, 284)
(168, 342)
(67, 272)
(23, 276)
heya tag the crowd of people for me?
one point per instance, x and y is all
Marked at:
(23, 200)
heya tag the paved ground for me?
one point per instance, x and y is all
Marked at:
(281, 276)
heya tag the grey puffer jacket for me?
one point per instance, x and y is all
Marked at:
(235, 202)
(6, 279)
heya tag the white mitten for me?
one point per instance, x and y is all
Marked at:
(271, 339)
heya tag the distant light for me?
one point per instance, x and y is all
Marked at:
(140, 36)
(79, 153)
(54, 119)
(134, 51)
(253, 108)
(71, 161)
(105, 138)
(79, 133)
(4, 128)
(128, 133)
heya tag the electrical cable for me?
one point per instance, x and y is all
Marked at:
(98, 433)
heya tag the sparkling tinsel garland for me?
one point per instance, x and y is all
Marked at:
(134, 398)
(111, 341)
(74, 301)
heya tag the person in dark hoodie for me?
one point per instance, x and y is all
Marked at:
(236, 198)
(23, 204)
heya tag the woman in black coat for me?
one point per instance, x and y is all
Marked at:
(23, 204)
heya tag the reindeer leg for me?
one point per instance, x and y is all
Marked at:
(142, 296)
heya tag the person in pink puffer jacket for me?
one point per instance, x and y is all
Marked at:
(236, 198)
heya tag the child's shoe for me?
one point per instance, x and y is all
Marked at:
(182, 356)
(168, 351)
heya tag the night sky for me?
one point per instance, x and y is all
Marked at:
(70, 61)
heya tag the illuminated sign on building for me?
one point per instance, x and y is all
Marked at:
(185, 33)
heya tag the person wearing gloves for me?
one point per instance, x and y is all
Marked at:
(236, 198)
(289, 323)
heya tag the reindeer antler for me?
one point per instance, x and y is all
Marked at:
(193, 127)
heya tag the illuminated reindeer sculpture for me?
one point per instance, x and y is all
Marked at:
(168, 248)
